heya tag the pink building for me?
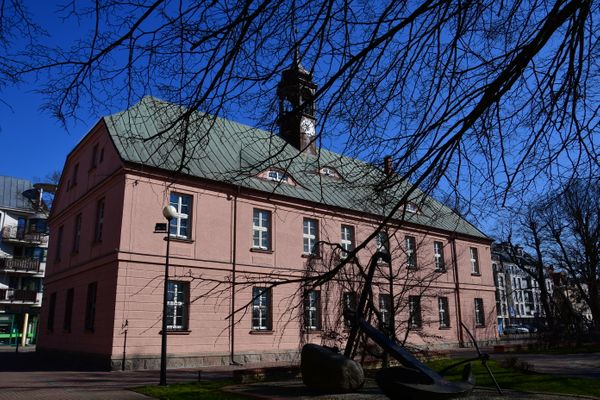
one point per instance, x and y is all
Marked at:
(253, 209)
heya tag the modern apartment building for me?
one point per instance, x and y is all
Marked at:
(517, 292)
(253, 209)
(24, 235)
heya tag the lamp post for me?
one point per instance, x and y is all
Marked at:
(169, 212)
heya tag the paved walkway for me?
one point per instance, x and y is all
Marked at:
(584, 365)
(22, 376)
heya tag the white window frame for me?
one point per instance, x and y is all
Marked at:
(385, 308)
(349, 301)
(347, 239)
(382, 242)
(474, 253)
(414, 312)
(411, 251)
(261, 312)
(329, 172)
(438, 256)
(261, 226)
(412, 208)
(443, 312)
(276, 175)
(479, 312)
(100, 207)
(310, 239)
(312, 304)
(179, 299)
(180, 216)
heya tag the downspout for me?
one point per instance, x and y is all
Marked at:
(461, 340)
(233, 283)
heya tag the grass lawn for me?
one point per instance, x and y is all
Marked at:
(509, 378)
(205, 390)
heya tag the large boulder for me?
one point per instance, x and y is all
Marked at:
(327, 370)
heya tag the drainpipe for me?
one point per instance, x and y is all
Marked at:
(233, 271)
(461, 340)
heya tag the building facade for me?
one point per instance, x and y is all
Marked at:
(257, 215)
(24, 235)
(517, 292)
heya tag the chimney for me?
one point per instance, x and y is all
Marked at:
(388, 165)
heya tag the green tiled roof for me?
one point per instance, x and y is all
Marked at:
(226, 151)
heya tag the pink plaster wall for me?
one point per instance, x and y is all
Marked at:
(208, 256)
(96, 261)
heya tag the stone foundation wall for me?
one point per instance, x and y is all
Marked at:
(203, 360)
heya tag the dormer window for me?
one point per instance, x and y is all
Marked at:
(277, 176)
(412, 208)
(330, 172)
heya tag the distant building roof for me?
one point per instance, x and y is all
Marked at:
(508, 253)
(233, 153)
(11, 193)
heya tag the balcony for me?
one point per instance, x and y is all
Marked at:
(16, 234)
(24, 264)
(18, 295)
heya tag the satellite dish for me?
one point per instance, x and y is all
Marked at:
(46, 187)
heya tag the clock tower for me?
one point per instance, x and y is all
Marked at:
(296, 93)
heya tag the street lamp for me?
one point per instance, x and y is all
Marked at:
(169, 212)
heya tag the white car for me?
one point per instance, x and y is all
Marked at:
(515, 329)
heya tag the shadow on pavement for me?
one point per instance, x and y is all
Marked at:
(32, 361)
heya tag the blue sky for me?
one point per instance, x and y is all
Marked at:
(33, 143)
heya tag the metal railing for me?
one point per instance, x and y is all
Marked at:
(16, 233)
(22, 295)
(22, 264)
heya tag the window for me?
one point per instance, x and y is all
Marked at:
(179, 226)
(411, 252)
(38, 225)
(311, 236)
(277, 176)
(99, 220)
(312, 310)
(68, 310)
(77, 233)
(90, 306)
(348, 303)
(75, 173)
(94, 163)
(37, 253)
(412, 208)
(438, 256)
(59, 240)
(347, 241)
(330, 172)
(443, 312)
(101, 158)
(479, 314)
(261, 227)
(385, 308)
(261, 309)
(414, 310)
(51, 312)
(383, 243)
(474, 261)
(177, 305)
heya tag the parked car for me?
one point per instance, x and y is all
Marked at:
(530, 328)
(515, 329)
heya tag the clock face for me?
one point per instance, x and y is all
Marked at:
(307, 126)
